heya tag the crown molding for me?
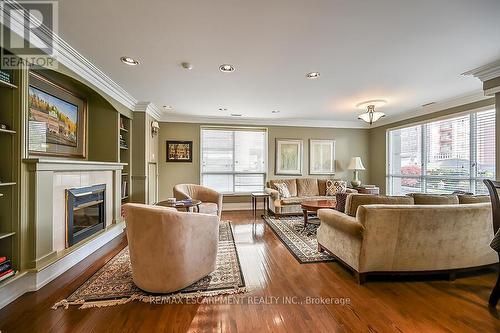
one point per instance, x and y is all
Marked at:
(176, 118)
(471, 97)
(486, 72)
(149, 108)
(66, 55)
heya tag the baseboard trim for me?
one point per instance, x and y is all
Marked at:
(34, 280)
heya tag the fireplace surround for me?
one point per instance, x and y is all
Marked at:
(85, 212)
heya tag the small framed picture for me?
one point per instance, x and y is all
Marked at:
(288, 157)
(179, 151)
(321, 157)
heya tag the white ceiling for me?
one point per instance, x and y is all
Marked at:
(407, 52)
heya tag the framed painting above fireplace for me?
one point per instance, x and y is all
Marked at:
(56, 119)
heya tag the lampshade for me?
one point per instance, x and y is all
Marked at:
(371, 117)
(356, 164)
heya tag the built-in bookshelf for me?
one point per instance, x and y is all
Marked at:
(124, 143)
(10, 125)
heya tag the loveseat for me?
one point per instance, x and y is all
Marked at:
(301, 189)
(409, 234)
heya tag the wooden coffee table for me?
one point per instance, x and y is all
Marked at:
(314, 205)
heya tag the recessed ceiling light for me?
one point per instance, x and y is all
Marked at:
(236, 115)
(222, 109)
(187, 65)
(312, 75)
(275, 111)
(226, 68)
(167, 107)
(129, 61)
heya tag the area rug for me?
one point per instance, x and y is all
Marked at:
(113, 285)
(302, 243)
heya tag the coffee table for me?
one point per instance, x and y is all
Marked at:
(182, 204)
(314, 205)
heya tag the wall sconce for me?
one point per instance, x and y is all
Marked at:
(155, 128)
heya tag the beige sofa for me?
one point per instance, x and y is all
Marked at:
(393, 235)
(211, 199)
(301, 189)
(170, 250)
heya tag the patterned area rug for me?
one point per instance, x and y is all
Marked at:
(302, 243)
(113, 285)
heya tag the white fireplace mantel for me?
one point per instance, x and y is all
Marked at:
(46, 184)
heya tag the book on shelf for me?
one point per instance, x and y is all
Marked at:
(2, 259)
(124, 189)
(5, 266)
(7, 274)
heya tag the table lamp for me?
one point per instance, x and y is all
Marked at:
(356, 164)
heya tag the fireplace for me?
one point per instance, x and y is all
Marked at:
(85, 212)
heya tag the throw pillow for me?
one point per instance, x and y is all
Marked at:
(341, 199)
(335, 186)
(283, 190)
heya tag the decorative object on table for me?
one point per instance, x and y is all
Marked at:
(171, 200)
(301, 243)
(368, 189)
(282, 189)
(335, 186)
(113, 284)
(56, 119)
(179, 151)
(356, 165)
(155, 128)
(255, 196)
(4, 127)
(493, 188)
(371, 116)
(187, 204)
(6, 269)
(321, 157)
(288, 158)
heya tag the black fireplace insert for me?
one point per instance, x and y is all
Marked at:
(85, 212)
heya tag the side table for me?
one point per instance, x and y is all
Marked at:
(368, 190)
(255, 197)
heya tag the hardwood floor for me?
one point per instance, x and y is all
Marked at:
(270, 271)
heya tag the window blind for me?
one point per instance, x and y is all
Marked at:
(443, 156)
(234, 160)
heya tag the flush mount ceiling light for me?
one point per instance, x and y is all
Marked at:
(371, 116)
(226, 68)
(312, 75)
(129, 61)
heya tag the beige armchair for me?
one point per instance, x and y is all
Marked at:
(211, 199)
(170, 250)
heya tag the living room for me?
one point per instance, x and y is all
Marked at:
(187, 166)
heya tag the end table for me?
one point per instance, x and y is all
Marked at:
(255, 197)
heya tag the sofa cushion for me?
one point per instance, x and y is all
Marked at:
(472, 199)
(355, 200)
(299, 200)
(290, 183)
(434, 199)
(307, 187)
(282, 190)
(322, 186)
(208, 208)
(335, 186)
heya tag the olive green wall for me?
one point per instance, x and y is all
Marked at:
(377, 140)
(348, 143)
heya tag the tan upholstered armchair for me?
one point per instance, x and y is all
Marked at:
(170, 250)
(211, 199)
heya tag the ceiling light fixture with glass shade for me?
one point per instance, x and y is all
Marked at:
(371, 116)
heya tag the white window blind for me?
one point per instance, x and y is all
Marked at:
(234, 160)
(443, 156)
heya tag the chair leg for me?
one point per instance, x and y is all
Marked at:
(495, 293)
(320, 248)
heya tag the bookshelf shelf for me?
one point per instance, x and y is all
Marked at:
(123, 129)
(7, 131)
(124, 144)
(8, 184)
(7, 85)
(6, 234)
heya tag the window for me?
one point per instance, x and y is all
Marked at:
(233, 160)
(443, 156)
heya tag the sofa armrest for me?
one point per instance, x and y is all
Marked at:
(275, 195)
(341, 221)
